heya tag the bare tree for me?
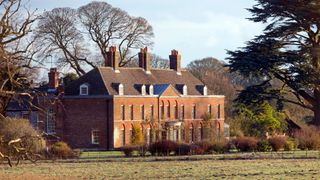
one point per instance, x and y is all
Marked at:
(156, 62)
(107, 25)
(60, 36)
(16, 51)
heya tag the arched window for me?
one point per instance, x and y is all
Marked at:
(200, 132)
(123, 135)
(191, 134)
(175, 111)
(168, 110)
(130, 134)
(84, 90)
(182, 112)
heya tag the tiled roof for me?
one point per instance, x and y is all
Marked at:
(105, 81)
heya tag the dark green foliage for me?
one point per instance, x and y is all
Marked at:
(287, 53)
(277, 142)
(258, 120)
(68, 78)
(128, 150)
(290, 145)
(264, 146)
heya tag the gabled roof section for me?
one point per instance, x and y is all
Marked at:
(93, 79)
(102, 81)
(165, 90)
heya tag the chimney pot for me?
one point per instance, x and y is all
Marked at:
(175, 61)
(144, 60)
(53, 78)
(112, 59)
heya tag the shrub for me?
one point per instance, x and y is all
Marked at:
(246, 144)
(195, 149)
(219, 147)
(290, 145)
(62, 150)
(182, 149)
(205, 146)
(11, 129)
(264, 146)
(137, 135)
(309, 138)
(128, 150)
(164, 147)
(277, 142)
(142, 149)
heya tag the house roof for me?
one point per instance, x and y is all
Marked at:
(105, 81)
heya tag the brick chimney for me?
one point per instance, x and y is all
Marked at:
(53, 78)
(144, 60)
(112, 59)
(175, 61)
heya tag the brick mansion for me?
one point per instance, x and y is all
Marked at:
(100, 109)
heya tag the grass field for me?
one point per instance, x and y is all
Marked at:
(163, 169)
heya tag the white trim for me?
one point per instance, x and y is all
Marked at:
(80, 90)
(92, 136)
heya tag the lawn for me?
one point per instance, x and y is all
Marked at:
(137, 168)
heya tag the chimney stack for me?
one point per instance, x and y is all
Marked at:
(144, 60)
(53, 78)
(175, 61)
(112, 59)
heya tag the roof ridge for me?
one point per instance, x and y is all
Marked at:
(103, 80)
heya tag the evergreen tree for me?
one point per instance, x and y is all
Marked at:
(288, 51)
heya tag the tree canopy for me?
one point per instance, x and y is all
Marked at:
(287, 51)
(73, 35)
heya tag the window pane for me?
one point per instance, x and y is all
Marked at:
(122, 112)
(131, 112)
(95, 137)
(194, 112)
(51, 123)
(182, 112)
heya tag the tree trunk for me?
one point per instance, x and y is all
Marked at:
(316, 119)
(3, 106)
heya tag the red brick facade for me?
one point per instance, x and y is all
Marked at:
(171, 101)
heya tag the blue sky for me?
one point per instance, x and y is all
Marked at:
(197, 29)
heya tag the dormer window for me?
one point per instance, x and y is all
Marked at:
(151, 89)
(185, 90)
(121, 90)
(205, 91)
(84, 90)
(143, 90)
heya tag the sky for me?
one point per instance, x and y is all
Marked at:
(197, 29)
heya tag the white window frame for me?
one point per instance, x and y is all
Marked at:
(81, 90)
(95, 137)
(51, 122)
